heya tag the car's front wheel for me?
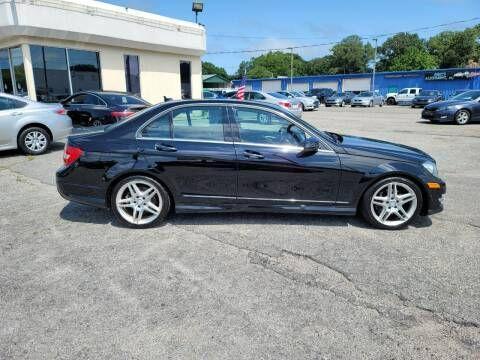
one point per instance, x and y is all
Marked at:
(34, 141)
(392, 203)
(462, 117)
(140, 202)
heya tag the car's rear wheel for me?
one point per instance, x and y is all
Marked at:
(140, 202)
(34, 141)
(392, 203)
(462, 117)
(371, 104)
(342, 104)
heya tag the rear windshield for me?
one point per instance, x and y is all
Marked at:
(366, 93)
(117, 99)
(278, 96)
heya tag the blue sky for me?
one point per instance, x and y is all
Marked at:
(278, 24)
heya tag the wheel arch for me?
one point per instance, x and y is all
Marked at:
(34, 124)
(405, 175)
(116, 180)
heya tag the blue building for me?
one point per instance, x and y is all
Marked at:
(445, 80)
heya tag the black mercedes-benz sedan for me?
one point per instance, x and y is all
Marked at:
(97, 108)
(228, 155)
(426, 97)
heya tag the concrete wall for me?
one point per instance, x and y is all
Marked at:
(159, 72)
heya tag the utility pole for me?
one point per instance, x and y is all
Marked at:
(374, 66)
(291, 68)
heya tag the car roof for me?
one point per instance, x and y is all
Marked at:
(15, 97)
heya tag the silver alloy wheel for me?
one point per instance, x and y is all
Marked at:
(35, 141)
(139, 202)
(97, 123)
(394, 204)
(462, 117)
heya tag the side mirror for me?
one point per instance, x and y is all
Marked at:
(310, 146)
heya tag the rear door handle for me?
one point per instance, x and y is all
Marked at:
(253, 154)
(165, 147)
(17, 113)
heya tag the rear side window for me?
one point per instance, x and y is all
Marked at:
(413, 91)
(158, 128)
(7, 103)
(199, 123)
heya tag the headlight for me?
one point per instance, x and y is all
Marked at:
(431, 167)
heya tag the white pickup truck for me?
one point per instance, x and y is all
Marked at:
(404, 96)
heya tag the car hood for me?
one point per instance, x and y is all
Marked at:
(440, 104)
(381, 149)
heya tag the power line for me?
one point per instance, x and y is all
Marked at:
(367, 37)
(265, 37)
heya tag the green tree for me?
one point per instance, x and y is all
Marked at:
(273, 64)
(320, 65)
(397, 46)
(351, 55)
(208, 68)
(413, 58)
(455, 48)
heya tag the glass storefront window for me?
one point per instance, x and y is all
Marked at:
(52, 75)
(84, 70)
(132, 74)
(16, 57)
(6, 75)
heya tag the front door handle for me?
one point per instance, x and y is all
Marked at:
(165, 147)
(253, 154)
(17, 113)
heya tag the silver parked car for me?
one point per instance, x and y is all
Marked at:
(308, 102)
(31, 126)
(292, 105)
(367, 98)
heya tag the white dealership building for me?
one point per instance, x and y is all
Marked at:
(50, 49)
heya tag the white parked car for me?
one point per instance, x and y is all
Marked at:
(404, 96)
(31, 126)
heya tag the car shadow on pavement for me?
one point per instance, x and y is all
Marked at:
(18, 153)
(85, 214)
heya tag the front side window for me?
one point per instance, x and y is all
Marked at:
(5, 103)
(256, 96)
(199, 123)
(158, 128)
(404, 91)
(263, 127)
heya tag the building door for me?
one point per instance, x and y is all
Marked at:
(186, 79)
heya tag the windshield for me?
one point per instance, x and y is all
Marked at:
(277, 95)
(469, 95)
(365, 94)
(428, 93)
(118, 99)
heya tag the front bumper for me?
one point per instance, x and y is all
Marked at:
(333, 102)
(435, 199)
(438, 116)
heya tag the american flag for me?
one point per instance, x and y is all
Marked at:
(241, 90)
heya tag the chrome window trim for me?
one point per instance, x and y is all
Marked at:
(138, 133)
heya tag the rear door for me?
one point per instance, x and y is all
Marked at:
(188, 148)
(10, 112)
(271, 169)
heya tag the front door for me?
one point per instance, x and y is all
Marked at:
(188, 149)
(272, 168)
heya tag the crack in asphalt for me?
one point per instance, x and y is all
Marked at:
(356, 296)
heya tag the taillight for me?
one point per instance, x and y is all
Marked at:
(121, 114)
(71, 154)
(60, 111)
(285, 104)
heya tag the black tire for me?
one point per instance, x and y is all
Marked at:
(303, 106)
(365, 204)
(26, 147)
(371, 104)
(165, 198)
(342, 103)
(327, 105)
(462, 117)
(391, 101)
